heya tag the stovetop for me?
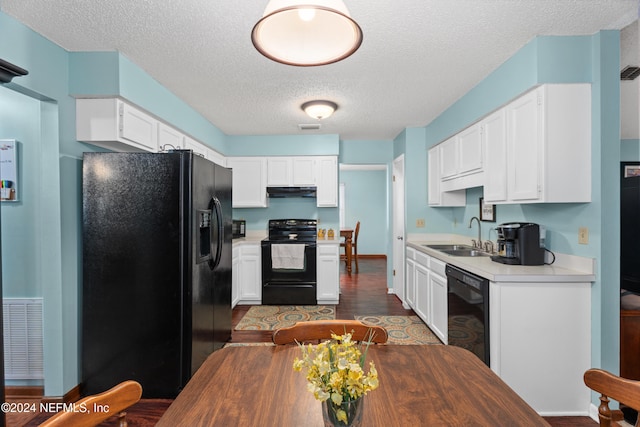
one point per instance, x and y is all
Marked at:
(292, 230)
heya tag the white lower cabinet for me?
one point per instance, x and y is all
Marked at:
(246, 274)
(541, 335)
(438, 291)
(426, 290)
(328, 273)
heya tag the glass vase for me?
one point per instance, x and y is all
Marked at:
(353, 410)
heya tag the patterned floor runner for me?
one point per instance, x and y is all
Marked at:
(272, 317)
(404, 330)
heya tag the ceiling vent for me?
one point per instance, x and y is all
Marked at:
(310, 126)
(629, 73)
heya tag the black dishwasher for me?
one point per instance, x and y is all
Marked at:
(468, 312)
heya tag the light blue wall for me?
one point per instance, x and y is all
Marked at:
(366, 201)
(592, 59)
(630, 150)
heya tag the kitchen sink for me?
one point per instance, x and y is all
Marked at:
(465, 252)
(449, 247)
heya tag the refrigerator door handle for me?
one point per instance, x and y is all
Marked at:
(219, 228)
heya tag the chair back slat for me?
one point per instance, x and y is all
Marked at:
(315, 330)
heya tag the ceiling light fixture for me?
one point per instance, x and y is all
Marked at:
(306, 33)
(319, 109)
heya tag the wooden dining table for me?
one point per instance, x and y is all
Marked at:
(428, 385)
(347, 233)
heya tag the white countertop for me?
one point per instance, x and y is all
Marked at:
(566, 268)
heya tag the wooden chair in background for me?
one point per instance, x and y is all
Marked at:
(354, 247)
(618, 388)
(315, 330)
(111, 403)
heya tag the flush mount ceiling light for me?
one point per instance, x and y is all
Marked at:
(306, 32)
(319, 109)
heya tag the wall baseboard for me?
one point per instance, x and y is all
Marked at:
(37, 392)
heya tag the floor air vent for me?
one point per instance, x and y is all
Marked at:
(629, 73)
(23, 355)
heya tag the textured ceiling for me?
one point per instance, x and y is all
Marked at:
(417, 57)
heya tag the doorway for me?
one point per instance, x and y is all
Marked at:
(398, 228)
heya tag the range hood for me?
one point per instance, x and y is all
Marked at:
(281, 192)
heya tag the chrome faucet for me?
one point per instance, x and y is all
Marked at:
(478, 243)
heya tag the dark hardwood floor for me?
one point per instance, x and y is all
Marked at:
(362, 294)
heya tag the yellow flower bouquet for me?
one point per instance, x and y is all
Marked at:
(335, 371)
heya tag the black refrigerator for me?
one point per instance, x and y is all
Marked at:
(156, 287)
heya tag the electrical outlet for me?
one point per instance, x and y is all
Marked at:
(583, 235)
(420, 223)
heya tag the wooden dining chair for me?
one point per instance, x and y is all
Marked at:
(354, 247)
(99, 407)
(611, 386)
(315, 330)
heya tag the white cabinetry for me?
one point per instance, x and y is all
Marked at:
(169, 138)
(437, 197)
(327, 181)
(115, 125)
(291, 171)
(235, 276)
(548, 148)
(247, 273)
(426, 290)
(541, 332)
(494, 132)
(195, 146)
(328, 273)
(249, 181)
(438, 301)
(461, 160)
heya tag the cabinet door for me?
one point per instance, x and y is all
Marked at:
(494, 133)
(410, 283)
(249, 181)
(470, 150)
(449, 158)
(327, 183)
(524, 143)
(328, 273)
(138, 127)
(251, 277)
(279, 171)
(199, 149)
(433, 185)
(438, 287)
(422, 293)
(169, 138)
(304, 171)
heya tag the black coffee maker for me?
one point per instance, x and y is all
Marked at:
(520, 243)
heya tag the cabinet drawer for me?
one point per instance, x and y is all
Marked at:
(411, 253)
(251, 250)
(422, 258)
(438, 267)
(327, 250)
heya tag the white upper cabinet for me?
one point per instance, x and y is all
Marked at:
(327, 181)
(169, 138)
(548, 148)
(115, 125)
(195, 146)
(291, 171)
(437, 197)
(249, 181)
(461, 160)
(494, 133)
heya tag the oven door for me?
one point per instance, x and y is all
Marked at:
(289, 285)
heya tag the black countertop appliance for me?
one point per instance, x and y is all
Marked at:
(520, 243)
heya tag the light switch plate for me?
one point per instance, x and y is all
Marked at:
(583, 235)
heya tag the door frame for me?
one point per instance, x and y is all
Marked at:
(398, 229)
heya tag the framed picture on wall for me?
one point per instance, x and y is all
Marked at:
(487, 211)
(8, 170)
